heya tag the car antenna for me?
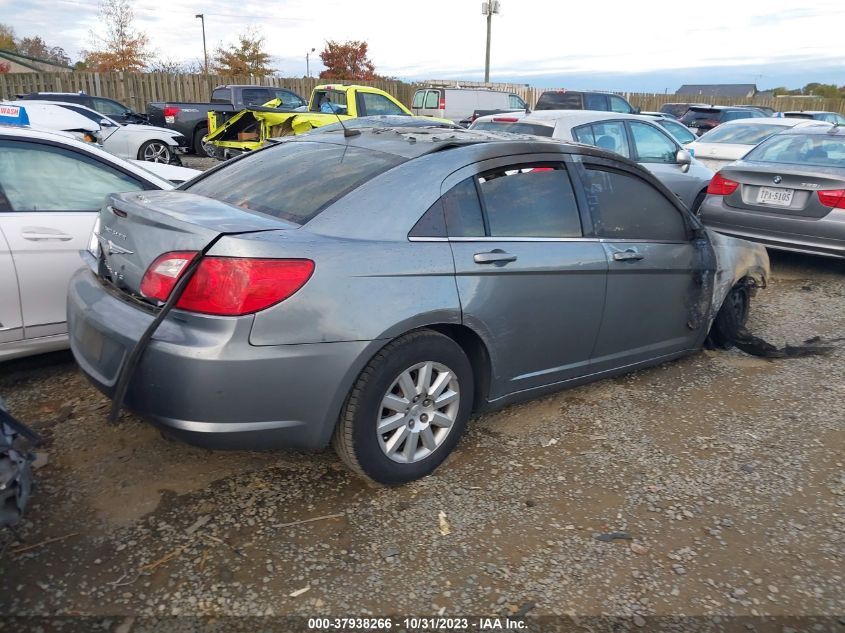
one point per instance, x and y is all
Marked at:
(347, 133)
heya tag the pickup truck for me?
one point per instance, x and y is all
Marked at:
(249, 129)
(191, 119)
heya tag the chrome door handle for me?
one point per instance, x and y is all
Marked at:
(38, 234)
(627, 256)
(496, 256)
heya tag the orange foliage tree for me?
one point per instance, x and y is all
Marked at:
(123, 48)
(347, 60)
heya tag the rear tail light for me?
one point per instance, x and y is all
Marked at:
(721, 186)
(833, 198)
(442, 104)
(501, 119)
(170, 113)
(226, 286)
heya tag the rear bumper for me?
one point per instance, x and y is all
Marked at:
(200, 379)
(822, 236)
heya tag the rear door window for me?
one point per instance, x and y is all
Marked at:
(419, 99)
(594, 101)
(109, 107)
(463, 210)
(618, 104)
(608, 135)
(535, 201)
(651, 145)
(432, 99)
(516, 102)
(221, 95)
(624, 206)
(296, 180)
(256, 96)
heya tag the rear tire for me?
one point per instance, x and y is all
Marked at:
(427, 377)
(199, 150)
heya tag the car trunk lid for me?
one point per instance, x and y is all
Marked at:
(781, 189)
(135, 229)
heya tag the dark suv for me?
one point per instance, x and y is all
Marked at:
(576, 100)
(702, 119)
(108, 107)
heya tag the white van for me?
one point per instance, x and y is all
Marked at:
(459, 104)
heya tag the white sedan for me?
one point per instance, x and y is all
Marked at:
(130, 141)
(51, 188)
(732, 140)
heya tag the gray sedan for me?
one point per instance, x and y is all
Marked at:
(787, 193)
(637, 137)
(376, 288)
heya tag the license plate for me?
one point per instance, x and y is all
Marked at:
(776, 197)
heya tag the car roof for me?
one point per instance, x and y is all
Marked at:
(591, 92)
(576, 117)
(64, 94)
(769, 120)
(810, 112)
(817, 127)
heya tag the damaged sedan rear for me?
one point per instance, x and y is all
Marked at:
(375, 289)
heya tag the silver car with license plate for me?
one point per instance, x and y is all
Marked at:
(375, 288)
(787, 193)
(638, 138)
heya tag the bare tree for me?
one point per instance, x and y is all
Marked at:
(37, 47)
(173, 67)
(123, 48)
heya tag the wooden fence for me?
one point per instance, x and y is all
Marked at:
(138, 89)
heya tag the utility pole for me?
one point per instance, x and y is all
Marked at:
(201, 16)
(308, 62)
(489, 9)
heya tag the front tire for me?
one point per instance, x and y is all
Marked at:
(407, 410)
(731, 318)
(156, 152)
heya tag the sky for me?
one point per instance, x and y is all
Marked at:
(600, 44)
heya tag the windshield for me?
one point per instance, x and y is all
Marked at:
(741, 134)
(294, 181)
(821, 150)
(515, 127)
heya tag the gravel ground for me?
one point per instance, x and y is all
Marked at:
(722, 472)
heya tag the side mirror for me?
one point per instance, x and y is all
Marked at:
(637, 110)
(684, 159)
(106, 123)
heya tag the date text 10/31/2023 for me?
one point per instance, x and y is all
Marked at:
(417, 624)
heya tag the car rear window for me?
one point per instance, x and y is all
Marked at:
(294, 181)
(559, 101)
(741, 134)
(516, 128)
(806, 149)
(701, 114)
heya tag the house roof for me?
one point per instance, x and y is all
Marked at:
(717, 90)
(27, 61)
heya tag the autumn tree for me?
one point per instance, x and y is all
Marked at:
(7, 38)
(123, 48)
(347, 60)
(36, 47)
(172, 66)
(247, 57)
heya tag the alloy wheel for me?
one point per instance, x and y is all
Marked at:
(157, 152)
(418, 412)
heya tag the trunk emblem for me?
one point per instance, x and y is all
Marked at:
(777, 180)
(110, 248)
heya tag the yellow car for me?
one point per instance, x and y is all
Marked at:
(250, 128)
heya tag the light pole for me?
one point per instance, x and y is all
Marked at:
(489, 9)
(308, 62)
(201, 16)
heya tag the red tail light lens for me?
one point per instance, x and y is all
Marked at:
(721, 186)
(501, 119)
(833, 198)
(442, 104)
(227, 286)
(171, 111)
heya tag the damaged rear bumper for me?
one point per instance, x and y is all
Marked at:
(200, 380)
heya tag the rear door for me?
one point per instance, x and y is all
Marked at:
(528, 278)
(53, 195)
(658, 281)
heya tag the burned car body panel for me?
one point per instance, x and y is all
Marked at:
(535, 312)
